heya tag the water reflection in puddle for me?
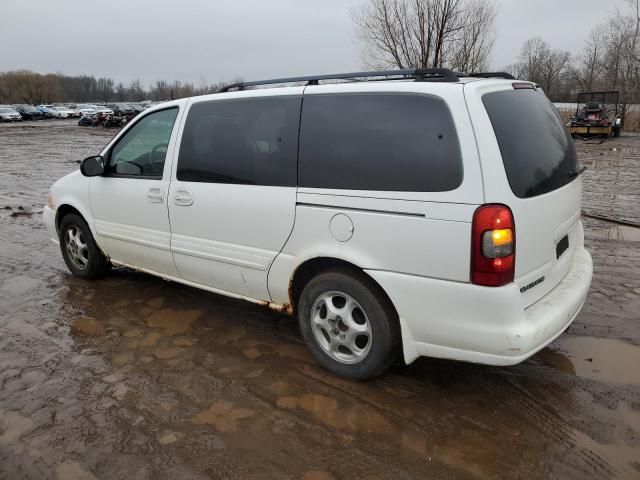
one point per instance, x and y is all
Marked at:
(603, 359)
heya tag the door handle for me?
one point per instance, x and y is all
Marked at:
(154, 195)
(183, 197)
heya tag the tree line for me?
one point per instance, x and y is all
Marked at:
(28, 87)
(460, 34)
(609, 60)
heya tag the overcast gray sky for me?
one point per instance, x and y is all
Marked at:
(224, 39)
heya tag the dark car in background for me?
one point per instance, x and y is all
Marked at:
(121, 108)
(46, 110)
(29, 113)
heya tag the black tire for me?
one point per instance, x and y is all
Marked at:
(97, 265)
(379, 316)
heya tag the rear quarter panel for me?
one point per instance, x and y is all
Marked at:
(424, 234)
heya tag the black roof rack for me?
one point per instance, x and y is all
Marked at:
(504, 75)
(417, 74)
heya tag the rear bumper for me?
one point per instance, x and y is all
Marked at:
(460, 321)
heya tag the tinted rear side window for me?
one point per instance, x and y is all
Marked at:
(537, 151)
(393, 142)
(251, 141)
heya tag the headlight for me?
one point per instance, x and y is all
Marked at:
(50, 201)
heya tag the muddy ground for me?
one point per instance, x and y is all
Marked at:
(133, 377)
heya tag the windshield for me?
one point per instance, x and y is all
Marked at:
(6, 110)
(537, 151)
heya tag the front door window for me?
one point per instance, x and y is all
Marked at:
(142, 150)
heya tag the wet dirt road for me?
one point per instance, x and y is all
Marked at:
(133, 377)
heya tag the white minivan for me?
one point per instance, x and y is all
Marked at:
(428, 213)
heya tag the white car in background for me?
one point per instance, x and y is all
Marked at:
(433, 215)
(62, 112)
(102, 109)
(87, 110)
(74, 110)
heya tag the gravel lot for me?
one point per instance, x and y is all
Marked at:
(134, 377)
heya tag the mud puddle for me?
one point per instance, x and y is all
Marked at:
(619, 232)
(602, 359)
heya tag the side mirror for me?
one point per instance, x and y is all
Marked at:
(92, 166)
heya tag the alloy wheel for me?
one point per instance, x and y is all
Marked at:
(341, 327)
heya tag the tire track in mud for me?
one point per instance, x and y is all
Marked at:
(534, 412)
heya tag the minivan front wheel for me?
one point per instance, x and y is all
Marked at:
(80, 252)
(348, 324)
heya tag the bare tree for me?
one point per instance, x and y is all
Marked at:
(554, 66)
(541, 64)
(24, 86)
(477, 38)
(589, 67)
(426, 33)
(632, 45)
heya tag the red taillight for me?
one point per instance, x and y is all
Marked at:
(493, 246)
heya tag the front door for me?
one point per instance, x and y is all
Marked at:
(232, 200)
(129, 202)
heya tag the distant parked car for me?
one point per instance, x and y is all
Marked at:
(121, 108)
(138, 108)
(86, 110)
(85, 121)
(47, 110)
(74, 110)
(62, 112)
(103, 109)
(8, 114)
(29, 113)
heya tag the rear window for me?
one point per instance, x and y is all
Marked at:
(391, 142)
(537, 151)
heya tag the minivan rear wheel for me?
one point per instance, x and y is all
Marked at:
(348, 324)
(79, 250)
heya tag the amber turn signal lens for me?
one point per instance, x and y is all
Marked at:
(502, 236)
(497, 243)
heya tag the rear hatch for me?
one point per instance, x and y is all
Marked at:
(529, 164)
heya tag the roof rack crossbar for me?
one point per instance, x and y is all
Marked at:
(504, 75)
(419, 74)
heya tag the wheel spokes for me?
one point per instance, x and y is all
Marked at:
(76, 247)
(341, 327)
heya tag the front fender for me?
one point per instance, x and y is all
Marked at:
(73, 190)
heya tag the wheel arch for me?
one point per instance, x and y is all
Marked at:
(311, 267)
(66, 207)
